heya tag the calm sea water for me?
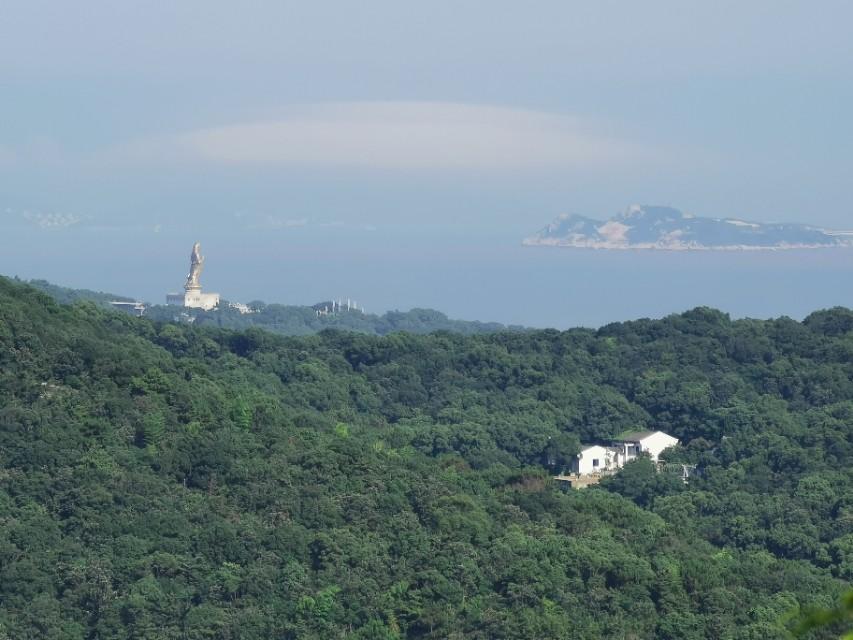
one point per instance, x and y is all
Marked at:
(466, 274)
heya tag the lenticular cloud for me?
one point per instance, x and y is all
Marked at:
(409, 135)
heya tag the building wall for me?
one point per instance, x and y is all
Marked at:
(585, 462)
(198, 300)
(627, 451)
(656, 443)
(194, 300)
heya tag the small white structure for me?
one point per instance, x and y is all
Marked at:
(133, 308)
(334, 307)
(596, 459)
(193, 297)
(241, 307)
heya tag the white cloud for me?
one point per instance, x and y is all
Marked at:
(401, 135)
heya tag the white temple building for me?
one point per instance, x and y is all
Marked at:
(193, 297)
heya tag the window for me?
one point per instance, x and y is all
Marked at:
(595, 462)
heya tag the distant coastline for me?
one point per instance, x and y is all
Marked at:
(536, 242)
(656, 228)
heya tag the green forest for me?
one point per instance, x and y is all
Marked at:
(288, 320)
(162, 480)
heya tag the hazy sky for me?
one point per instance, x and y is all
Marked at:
(382, 131)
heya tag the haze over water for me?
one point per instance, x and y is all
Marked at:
(398, 153)
(493, 278)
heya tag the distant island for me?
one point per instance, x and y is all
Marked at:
(668, 229)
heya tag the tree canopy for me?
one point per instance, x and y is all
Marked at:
(166, 480)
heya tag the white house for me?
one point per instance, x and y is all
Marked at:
(653, 443)
(598, 458)
(595, 459)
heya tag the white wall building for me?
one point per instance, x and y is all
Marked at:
(652, 443)
(194, 300)
(595, 459)
(599, 458)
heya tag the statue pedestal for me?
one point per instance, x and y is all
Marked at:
(194, 299)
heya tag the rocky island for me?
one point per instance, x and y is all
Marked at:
(668, 229)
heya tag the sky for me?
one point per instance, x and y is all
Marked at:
(392, 151)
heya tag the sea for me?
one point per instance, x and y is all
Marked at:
(466, 273)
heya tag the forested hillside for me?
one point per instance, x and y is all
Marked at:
(165, 481)
(288, 320)
(66, 295)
